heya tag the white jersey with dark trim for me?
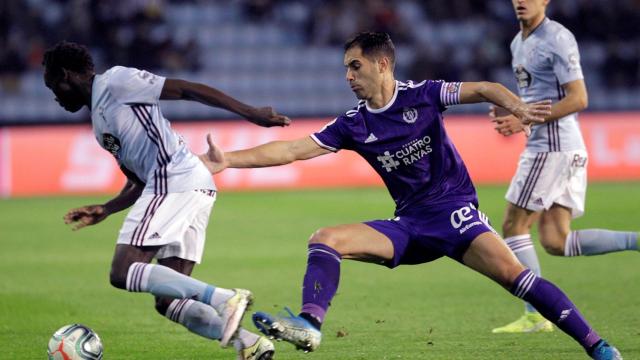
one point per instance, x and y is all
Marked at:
(547, 59)
(128, 123)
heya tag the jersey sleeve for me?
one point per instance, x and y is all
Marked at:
(130, 85)
(332, 136)
(442, 93)
(566, 58)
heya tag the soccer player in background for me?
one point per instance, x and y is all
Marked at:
(397, 127)
(171, 191)
(550, 184)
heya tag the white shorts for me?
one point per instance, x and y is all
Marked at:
(545, 178)
(175, 221)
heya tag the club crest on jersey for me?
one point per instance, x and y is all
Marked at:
(522, 76)
(111, 144)
(410, 115)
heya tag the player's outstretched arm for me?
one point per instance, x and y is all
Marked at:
(176, 89)
(93, 214)
(270, 154)
(475, 92)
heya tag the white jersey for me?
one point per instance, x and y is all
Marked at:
(128, 123)
(547, 59)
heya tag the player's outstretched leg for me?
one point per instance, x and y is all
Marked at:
(554, 305)
(531, 321)
(163, 281)
(599, 241)
(319, 287)
(203, 320)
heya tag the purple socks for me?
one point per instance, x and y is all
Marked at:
(554, 305)
(320, 281)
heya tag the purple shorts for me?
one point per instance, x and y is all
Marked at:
(426, 234)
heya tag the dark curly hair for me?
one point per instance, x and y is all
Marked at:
(67, 55)
(373, 44)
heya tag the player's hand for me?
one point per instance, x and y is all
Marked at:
(533, 113)
(214, 158)
(505, 123)
(267, 117)
(84, 216)
(509, 125)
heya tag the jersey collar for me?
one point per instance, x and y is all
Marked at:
(384, 108)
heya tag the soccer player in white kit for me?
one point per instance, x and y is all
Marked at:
(550, 184)
(171, 191)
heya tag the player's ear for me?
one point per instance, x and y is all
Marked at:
(383, 64)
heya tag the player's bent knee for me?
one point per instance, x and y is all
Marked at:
(162, 305)
(553, 247)
(324, 236)
(118, 279)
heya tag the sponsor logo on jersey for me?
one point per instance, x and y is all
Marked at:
(407, 155)
(410, 115)
(111, 144)
(460, 219)
(388, 162)
(522, 77)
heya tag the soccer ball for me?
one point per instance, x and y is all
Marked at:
(75, 342)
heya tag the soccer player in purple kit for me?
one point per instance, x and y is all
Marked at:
(397, 127)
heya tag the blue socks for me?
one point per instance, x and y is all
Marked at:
(599, 241)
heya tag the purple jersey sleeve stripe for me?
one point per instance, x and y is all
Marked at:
(314, 138)
(450, 93)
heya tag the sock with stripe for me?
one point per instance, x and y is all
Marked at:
(320, 282)
(599, 241)
(163, 281)
(199, 318)
(555, 306)
(522, 247)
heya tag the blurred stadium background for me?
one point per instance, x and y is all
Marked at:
(288, 54)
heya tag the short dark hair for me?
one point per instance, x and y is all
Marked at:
(67, 55)
(373, 44)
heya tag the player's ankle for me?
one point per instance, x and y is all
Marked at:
(313, 320)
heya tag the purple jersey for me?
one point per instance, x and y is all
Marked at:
(406, 143)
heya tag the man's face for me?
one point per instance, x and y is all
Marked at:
(363, 74)
(66, 94)
(529, 9)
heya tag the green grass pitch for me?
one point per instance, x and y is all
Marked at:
(51, 276)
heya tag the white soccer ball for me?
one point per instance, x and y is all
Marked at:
(75, 342)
